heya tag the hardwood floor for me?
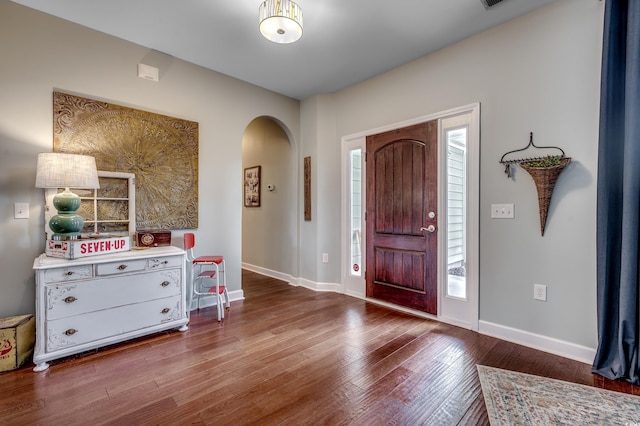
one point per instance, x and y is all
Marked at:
(285, 355)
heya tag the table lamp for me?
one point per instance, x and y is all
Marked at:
(60, 170)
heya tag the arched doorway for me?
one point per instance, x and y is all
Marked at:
(269, 227)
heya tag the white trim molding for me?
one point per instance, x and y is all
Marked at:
(315, 286)
(537, 341)
(294, 281)
(268, 272)
(207, 301)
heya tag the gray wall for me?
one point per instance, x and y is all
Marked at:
(537, 73)
(322, 232)
(41, 54)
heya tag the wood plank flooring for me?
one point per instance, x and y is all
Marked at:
(283, 356)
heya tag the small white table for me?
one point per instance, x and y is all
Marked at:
(86, 303)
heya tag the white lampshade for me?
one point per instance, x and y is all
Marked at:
(281, 21)
(60, 170)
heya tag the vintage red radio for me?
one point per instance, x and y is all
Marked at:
(153, 238)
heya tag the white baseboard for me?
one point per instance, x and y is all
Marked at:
(312, 285)
(268, 272)
(537, 341)
(294, 281)
(206, 301)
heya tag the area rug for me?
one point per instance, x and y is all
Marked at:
(522, 399)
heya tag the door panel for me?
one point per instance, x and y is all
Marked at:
(402, 269)
(401, 192)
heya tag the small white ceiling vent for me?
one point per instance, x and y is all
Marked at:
(488, 4)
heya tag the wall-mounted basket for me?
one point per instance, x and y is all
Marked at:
(544, 170)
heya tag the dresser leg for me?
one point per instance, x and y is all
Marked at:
(184, 328)
(41, 366)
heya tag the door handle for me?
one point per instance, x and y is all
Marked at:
(429, 228)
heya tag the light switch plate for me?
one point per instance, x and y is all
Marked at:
(21, 210)
(502, 211)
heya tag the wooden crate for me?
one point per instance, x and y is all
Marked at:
(17, 336)
(74, 249)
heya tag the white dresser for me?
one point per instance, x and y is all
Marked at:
(87, 303)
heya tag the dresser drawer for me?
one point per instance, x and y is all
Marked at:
(165, 262)
(70, 273)
(124, 267)
(88, 296)
(80, 329)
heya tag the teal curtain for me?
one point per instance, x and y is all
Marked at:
(618, 208)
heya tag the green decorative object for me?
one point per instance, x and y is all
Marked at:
(546, 161)
(66, 223)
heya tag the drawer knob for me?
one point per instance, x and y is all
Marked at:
(165, 310)
(70, 299)
(122, 267)
(71, 332)
(69, 273)
(165, 283)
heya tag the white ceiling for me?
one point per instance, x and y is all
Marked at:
(344, 41)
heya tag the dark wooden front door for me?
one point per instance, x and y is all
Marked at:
(402, 193)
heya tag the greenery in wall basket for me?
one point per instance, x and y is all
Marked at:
(546, 161)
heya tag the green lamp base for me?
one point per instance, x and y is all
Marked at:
(66, 225)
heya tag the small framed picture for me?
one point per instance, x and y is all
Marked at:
(252, 186)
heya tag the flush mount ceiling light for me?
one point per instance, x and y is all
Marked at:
(281, 21)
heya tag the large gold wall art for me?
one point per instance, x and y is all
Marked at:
(161, 151)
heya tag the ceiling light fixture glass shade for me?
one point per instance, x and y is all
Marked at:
(281, 21)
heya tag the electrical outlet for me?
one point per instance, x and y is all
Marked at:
(325, 257)
(540, 292)
(502, 211)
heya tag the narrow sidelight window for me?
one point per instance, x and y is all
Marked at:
(356, 212)
(456, 212)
